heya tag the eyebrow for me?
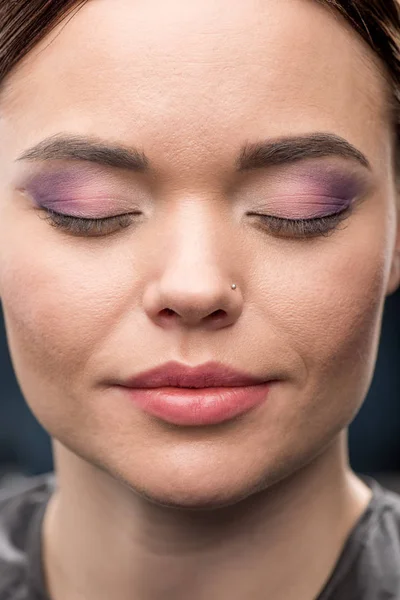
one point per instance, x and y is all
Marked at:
(87, 149)
(258, 155)
(292, 149)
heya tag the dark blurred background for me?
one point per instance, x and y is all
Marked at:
(374, 435)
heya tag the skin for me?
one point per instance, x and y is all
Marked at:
(270, 493)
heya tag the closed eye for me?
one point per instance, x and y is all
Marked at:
(302, 228)
(89, 227)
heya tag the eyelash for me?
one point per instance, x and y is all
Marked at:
(303, 228)
(81, 226)
(278, 226)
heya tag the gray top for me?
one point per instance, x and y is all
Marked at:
(368, 569)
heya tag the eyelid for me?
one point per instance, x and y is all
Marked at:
(312, 218)
(303, 228)
(303, 206)
(86, 226)
(281, 227)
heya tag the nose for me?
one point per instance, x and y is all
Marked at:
(211, 302)
(194, 290)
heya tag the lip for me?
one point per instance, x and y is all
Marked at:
(174, 374)
(192, 396)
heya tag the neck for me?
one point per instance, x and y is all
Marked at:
(101, 540)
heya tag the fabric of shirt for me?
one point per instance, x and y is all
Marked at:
(368, 568)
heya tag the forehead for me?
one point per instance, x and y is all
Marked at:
(176, 73)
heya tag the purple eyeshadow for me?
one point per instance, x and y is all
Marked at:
(315, 193)
(303, 192)
(74, 191)
(47, 187)
(342, 186)
(51, 190)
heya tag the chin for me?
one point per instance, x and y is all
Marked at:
(189, 491)
(193, 499)
(197, 480)
(189, 475)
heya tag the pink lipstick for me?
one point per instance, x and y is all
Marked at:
(205, 395)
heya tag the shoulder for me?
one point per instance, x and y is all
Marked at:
(384, 514)
(369, 567)
(20, 510)
(379, 560)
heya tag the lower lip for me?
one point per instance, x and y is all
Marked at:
(194, 407)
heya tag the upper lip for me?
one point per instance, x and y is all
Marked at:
(174, 374)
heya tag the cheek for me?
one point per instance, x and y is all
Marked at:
(60, 303)
(331, 310)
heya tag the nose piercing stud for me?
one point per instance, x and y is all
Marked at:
(234, 286)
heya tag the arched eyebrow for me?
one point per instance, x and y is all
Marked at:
(292, 149)
(66, 147)
(256, 155)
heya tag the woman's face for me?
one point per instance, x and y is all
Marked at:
(191, 85)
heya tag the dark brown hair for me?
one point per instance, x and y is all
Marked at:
(23, 23)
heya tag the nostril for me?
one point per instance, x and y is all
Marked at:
(169, 316)
(216, 315)
(167, 312)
